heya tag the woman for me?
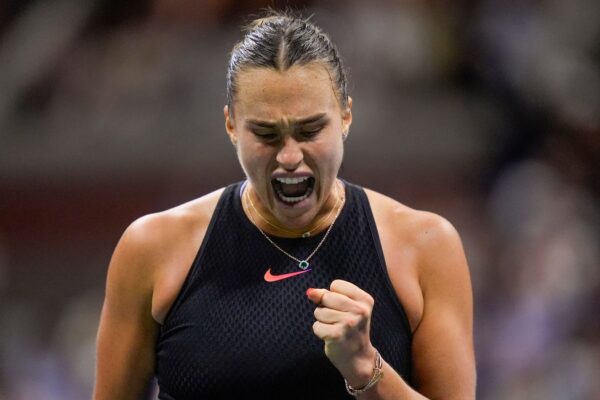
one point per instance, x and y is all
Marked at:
(294, 283)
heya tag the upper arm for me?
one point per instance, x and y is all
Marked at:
(443, 355)
(127, 332)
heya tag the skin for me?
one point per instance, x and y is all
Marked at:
(289, 147)
(423, 253)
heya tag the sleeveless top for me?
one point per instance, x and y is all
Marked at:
(230, 334)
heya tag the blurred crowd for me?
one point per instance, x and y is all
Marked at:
(487, 112)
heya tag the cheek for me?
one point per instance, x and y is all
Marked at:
(332, 153)
(254, 158)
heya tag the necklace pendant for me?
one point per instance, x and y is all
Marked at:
(303, 265)
(306, 234)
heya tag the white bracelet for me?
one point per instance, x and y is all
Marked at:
(377, 375)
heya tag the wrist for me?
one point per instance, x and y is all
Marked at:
(363, 384)
(359, 369)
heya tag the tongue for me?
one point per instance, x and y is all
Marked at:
(294, 190)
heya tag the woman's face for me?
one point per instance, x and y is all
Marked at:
(288, 129)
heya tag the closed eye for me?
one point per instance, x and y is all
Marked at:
(267, 136)
(311, 131)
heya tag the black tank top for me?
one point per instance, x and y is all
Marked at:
(232, 335)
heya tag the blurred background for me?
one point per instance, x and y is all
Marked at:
(487, 112)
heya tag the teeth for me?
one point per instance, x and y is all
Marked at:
(293, 199)
(292, 181)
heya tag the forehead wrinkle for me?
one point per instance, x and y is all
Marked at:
(286, 122)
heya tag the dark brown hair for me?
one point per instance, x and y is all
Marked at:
(280, 40)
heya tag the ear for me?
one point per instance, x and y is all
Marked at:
(347, 118)
(229, 125)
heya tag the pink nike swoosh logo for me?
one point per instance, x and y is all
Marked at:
(269, 277)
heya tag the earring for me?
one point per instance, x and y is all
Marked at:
(344, 135)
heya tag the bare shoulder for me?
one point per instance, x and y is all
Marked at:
(431, 236)
(422, 226)
(153, 229)
(150, 238)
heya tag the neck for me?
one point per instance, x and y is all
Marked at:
(266, 222)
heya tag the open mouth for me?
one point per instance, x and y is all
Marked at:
(293, 190)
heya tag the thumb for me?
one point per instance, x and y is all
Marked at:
(316, 295)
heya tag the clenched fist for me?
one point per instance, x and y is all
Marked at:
(343, 321)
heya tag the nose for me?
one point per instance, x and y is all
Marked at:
(290, 154)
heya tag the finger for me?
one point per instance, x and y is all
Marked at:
(336, 301)
(327, 331)
(329, 316)
(316, 295)
(339, 302)
(351, 290)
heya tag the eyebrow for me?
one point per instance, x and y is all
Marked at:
(303, 121)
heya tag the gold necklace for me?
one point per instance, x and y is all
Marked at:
(305, 234)
(302, 264)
